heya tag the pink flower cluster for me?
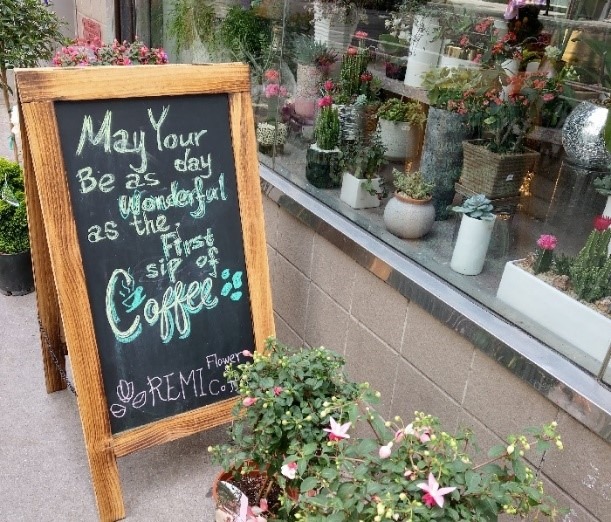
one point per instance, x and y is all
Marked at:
(83, 53)
(273, 87)
(547, 242)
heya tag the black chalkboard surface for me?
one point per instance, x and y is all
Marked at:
(153, 189)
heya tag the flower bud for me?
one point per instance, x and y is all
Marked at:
(510, 449)
(559, 444)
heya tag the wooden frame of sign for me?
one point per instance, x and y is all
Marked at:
(146, 219)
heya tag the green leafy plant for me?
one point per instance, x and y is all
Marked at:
(310, 52)
(412, 184)
(297, 421)
(245, 35)
(13, 217)
(446, 86)
(602, 185)
(476, 207)
(30, 33)
(363, 158)
(397, 109)
(192, 20)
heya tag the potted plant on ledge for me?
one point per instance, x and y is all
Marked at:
(410, 214)
(568, 296)
(15, 263)
(361, 162)
(297, 420)
(322, 157)
(474, 235)
(399, 122)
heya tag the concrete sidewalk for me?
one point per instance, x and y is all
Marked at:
(44, 474)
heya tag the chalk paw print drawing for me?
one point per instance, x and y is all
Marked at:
(125, 393)
(233, 284)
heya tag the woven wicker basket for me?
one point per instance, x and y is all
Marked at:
(492, 174)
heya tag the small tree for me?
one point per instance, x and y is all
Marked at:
(29, 32)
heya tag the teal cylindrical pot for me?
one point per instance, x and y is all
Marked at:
(442, 155)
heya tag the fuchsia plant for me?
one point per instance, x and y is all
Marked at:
(304, 441)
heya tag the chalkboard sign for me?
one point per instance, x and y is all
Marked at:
(154, 195)
(148, 245)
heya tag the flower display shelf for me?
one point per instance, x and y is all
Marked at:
(572, 321)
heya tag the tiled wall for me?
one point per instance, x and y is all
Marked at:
(322, 297)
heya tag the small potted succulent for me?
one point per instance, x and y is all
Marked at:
(400, 122)
(410, 214)
(473, 235)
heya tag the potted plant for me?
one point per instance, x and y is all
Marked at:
(495, 164)
(602, 185)
(399, 122)
(446, 129)
(287, 396)
(297, 420)
(410, 213)
(322, 157)
(567, 296)
(361, 162)
(314, 60)
(394, 50)
(30, 32)
(271, 137)
(474, 235)
(335, 22)
(15, 263)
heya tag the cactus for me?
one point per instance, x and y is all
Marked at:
(591, 270)
(327, 129)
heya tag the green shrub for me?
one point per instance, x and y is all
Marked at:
(13, 219)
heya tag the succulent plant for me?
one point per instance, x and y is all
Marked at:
(412, 184)
(476, 207)
(602, 185)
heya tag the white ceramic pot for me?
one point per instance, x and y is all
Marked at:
(576, 323)
(460, 63)
(354, 194)
(409, 218)
(424, 49)
(532, 67)
(471, 245)
(336, 33)
(511, 67)
(400, 139)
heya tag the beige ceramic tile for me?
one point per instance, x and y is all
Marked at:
(415, 392)
(379, 307)
(285, 334)
(294, 242)
(289, 293)
(333, 271)
(326, 321)
(270, 214)
(437, 351)
(502, 401)
(370, 360)
(583, 468)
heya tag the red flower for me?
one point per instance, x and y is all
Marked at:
(325, 101)
(360, 35)
(429, 501)
(329, 86)
(602, 223)
(547, 242)
(351, 51)
(366, 76)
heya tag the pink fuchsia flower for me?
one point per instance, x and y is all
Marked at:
(289, 470)
(272, 89)
(325, 101)
(433, 493)
(246, 353)
(409, 473)
(351, 51)
(602, 223)
(338, 431)
(385, 451)
(249, 401)
(547, 242)
(277, 390)
(360, 35)
(329, 86)
(272, 75)
(399, 434)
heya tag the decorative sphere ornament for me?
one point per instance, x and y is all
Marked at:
(582, 136)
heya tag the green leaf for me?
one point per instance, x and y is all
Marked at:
(496, 451)
(473, 481)
(308, 484)
(336, 517)
(329, 473)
